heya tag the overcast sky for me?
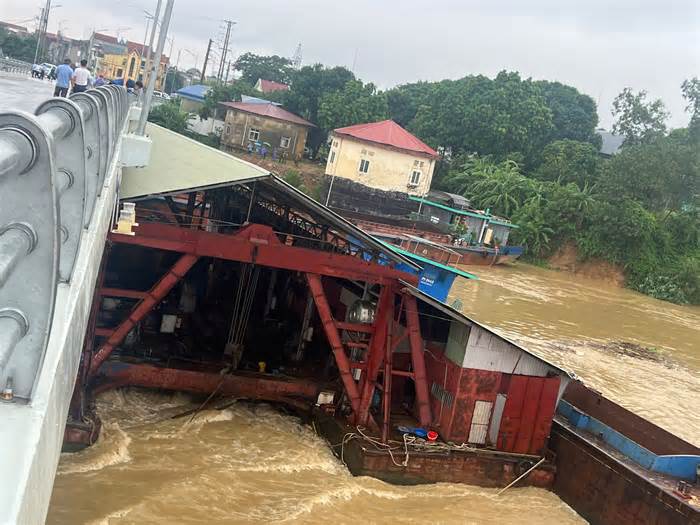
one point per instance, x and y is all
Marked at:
(598, 46)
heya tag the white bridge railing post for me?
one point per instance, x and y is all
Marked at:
(53, 166)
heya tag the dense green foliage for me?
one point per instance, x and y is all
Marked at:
(639, 121)
(352, 104)
(17, 46)
(253, 67)
(169, 115)
(639, 209)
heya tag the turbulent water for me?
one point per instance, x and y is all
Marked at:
(250, 464)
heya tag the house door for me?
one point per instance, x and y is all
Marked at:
(480, 422)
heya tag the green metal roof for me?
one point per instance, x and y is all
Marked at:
(463, 212)
(425, 260)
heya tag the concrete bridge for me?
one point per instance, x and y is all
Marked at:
(60, 165)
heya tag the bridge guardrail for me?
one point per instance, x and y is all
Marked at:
(12, 65)
(53, 166)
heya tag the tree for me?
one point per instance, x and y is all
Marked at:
(354, 104)
(17, 46)
(662, 176)
(638, 120)
(691, 93)
(404, 101)
(499, 117)
(169, 116)
(566, 161)
(311, 83)
(574, 115)
(274, 67)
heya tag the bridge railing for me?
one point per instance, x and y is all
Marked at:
(12, 65)
(53, 166)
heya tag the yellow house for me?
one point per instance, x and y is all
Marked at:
(382, 155)
(125, 60)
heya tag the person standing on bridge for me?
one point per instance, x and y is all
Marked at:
(64, 75)
(81, 77)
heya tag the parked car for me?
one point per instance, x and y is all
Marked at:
(160, 94)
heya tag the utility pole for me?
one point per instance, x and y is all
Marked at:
(224, 50)
(43, 24)
(206, 61)
(228, 70)
(165, 24)
(149, 58)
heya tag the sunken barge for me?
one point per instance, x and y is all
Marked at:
(222, 280)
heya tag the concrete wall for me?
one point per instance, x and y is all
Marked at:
(389, 169)
(238, 124)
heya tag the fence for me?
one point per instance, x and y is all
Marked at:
(15, 66)
(52, 170)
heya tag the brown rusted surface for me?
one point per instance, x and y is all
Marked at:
(483, 469)
(244, 385)
(79, 435)
(606, 492)
(628, 423)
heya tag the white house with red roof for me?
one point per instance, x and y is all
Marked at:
(382, 155)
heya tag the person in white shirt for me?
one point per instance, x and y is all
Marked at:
(81, 77)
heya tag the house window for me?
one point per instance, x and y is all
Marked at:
(285, 141)
(415, 163)
(332, 159)
(415, 178)
(120, 72)
(364, 166)
(228, 129)
(254, 134)
(131, 67)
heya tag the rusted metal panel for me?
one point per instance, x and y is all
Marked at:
(510, 422)
(545, 413)
(529, 414)
(480, 422)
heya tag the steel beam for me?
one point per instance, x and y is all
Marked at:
(376, 352)
(259, 244)
(245, 385)
(122, 292)
(418, 360)
(326, 315)
(155, 295)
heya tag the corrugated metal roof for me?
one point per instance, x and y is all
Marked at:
(269, 110)
(179, 164)
(194, 92)
(389, 133)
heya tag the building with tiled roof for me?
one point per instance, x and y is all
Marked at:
(269, 86)
(382, 155)
(255, 124)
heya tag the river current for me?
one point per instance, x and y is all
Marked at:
(250, 464)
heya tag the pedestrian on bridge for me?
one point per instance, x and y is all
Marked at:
(64, 76)
(81, 77)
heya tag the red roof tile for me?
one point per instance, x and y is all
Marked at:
(268, 86)
(389, 133)
(106, 38)
(268, 110)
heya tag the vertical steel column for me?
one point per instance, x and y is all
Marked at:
(375, 354)
(388, 372)
(154, 296)
(418, 359)
(326, 315)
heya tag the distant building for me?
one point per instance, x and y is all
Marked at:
(192, 97)
(270, 86)
(123, 59)
(59, 47)
(269, 124)
(14, 28)
(382, 155)
(610, 143)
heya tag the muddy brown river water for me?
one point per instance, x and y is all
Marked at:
(250, 464)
